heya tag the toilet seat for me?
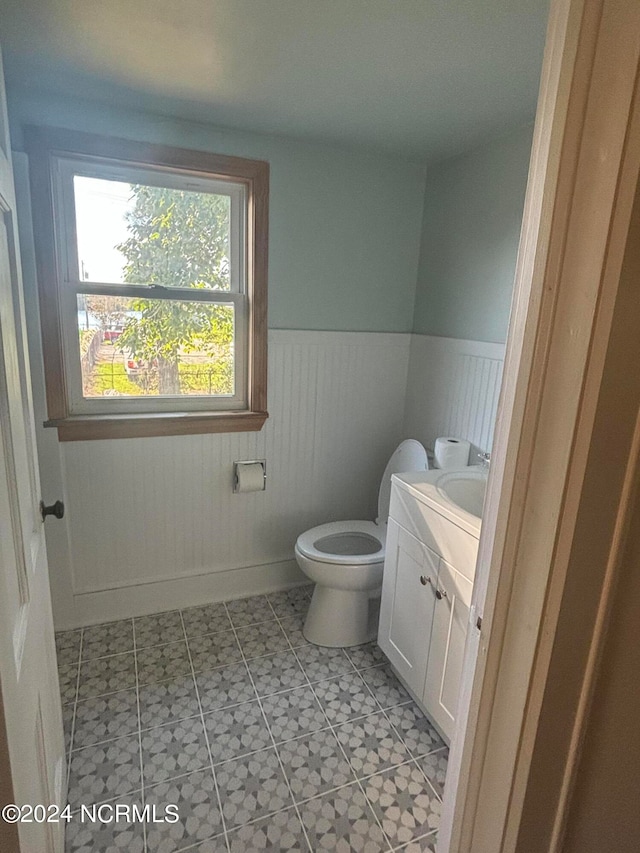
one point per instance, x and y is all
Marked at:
(366, 534)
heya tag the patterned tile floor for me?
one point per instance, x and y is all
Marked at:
(262, 740)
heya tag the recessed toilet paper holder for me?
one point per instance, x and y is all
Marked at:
(245, 462)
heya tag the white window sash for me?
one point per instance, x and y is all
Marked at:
(79, 404)
(70, 285)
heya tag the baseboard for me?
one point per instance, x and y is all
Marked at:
(92, 608)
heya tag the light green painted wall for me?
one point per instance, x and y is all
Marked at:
(471, 227)
(345, 226)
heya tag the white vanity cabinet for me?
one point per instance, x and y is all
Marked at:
(446, 647)
(426, 596)
(408, 605)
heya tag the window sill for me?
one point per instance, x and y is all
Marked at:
(101, 427)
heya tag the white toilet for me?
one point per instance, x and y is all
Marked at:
(345, 559)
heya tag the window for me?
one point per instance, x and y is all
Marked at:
(152, 272)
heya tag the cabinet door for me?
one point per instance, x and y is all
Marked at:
(408, 600)
(444, 668)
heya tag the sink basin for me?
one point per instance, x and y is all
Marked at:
(465, 489)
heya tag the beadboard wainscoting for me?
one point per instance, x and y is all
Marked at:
(452, 389)
(153, 523)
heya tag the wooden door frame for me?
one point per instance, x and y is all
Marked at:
(582, 182)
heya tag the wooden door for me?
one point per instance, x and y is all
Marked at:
(28, 673)
(408, 599)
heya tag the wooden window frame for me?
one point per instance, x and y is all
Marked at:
(44, 146)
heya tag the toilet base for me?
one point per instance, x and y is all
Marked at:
(339, 618)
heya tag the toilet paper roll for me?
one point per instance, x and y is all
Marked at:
(249, 477)
(450, 452)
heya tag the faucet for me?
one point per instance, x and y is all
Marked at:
(485, 460)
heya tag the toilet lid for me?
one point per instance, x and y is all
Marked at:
(410, 455)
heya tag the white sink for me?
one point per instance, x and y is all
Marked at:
(465, 489)
(456, 495)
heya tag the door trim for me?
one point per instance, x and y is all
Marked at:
(9, 840)
(584, 169)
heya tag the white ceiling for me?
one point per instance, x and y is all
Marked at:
(424, 78)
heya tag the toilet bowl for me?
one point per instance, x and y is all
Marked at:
(345, 559)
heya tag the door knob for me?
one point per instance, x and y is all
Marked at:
(424, 580)
(56, 509)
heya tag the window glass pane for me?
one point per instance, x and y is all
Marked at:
(155, 347)
(137, 234)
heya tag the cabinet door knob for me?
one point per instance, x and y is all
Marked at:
(424, 580)
(440, 594)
